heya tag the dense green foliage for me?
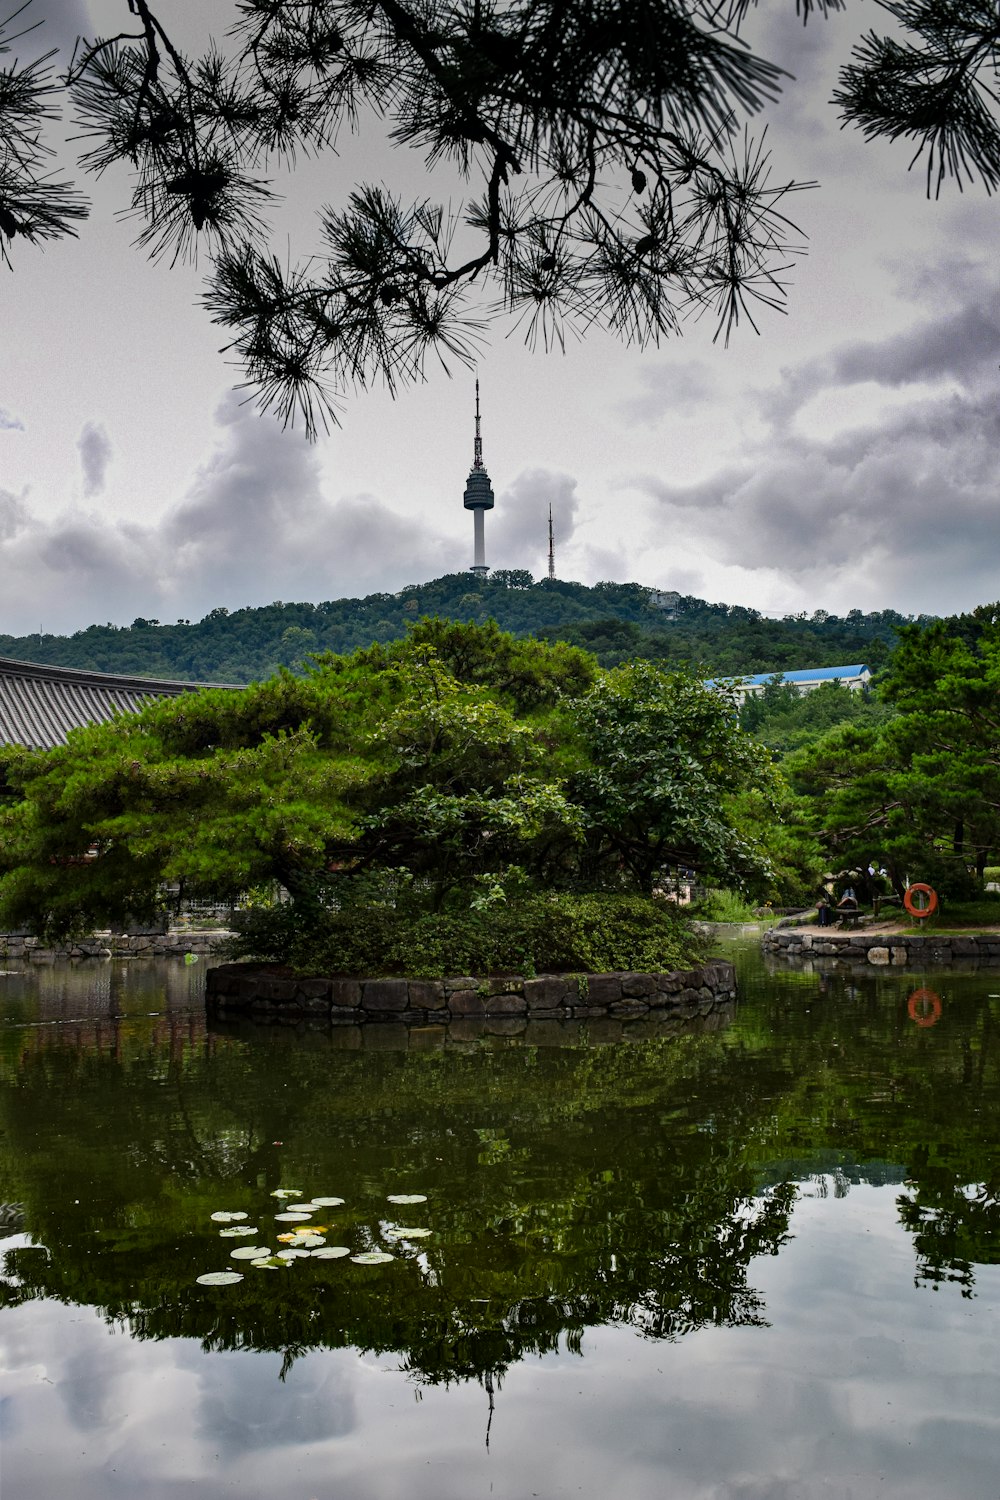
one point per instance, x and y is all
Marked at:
(786, 720)
(616, 622)
(447, 772)
(919, 791)
(525, 935)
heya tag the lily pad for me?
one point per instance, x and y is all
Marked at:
(407, 1234)
(250, 1252)
(219, 1278)
(226, 1217)
(302, 1208)
(407, 1198)
(287, 1193)
(270, 1263)
(309, 1241)
(331, 1252)
(372, 1258)
(328, 1202)
(292, 1254)
(237, 1230)
(291, 1218)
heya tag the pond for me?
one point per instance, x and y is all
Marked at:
(756, 1259)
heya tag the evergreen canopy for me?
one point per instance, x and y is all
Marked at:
(445, 767)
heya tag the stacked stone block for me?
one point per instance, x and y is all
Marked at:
(270, 992)
(914, 950)
(112, 945)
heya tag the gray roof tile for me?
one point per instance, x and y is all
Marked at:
(39, 704)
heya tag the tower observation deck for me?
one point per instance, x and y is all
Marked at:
(478, 499)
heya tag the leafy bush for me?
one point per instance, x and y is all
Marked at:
(726, 906)
(537, 934)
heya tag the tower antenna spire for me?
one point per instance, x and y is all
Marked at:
(552, 546)
(477, 462)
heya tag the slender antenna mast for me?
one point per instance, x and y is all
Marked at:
(552, 546)
(477, 462)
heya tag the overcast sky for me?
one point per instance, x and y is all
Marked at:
(845, 458)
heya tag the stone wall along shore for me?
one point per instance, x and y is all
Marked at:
(914, 950)
(271, 993)
(112, 945)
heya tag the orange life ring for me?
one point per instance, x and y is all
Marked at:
(921, 911)
(924, 1007)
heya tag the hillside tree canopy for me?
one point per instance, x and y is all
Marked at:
(602, 174)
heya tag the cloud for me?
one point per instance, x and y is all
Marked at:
(13, 514)
(960, 345)
(65, 20)
(10, 423)
(517, 532)
(95, 451)
(677, 385)
(256, 520)
(894, 501)
(254, 526)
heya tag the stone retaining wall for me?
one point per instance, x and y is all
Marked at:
(901, 949)
(269, 992)
(112, 945)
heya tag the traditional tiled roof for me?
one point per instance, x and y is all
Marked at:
(39, 705)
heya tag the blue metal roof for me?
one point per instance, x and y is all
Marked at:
(809, 674)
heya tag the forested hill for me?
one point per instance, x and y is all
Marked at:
(616, 621)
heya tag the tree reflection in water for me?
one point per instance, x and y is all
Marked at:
(567, 1186)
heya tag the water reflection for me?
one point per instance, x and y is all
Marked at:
(666, 1191)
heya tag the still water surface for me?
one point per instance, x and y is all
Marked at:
(759, 1260)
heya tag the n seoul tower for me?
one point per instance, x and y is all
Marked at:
(478, 498)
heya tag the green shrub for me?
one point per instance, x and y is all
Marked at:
(531, 935)
(726, 906)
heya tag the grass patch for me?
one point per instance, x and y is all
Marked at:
(726, 906)
(967, 916)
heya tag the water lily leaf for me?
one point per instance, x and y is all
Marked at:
(406, 1234)
(224, 1216)
(372, 1258)
(302, 1208)
(237, 1230)
(293, 1254)
(287, 1193)
(290, 1237)
(219, 1278)
(407, 1198)
(250, 1252)
(331, 1252)
(270, 1263)
(309, 1240)
(291, 1218)
(328, 1202)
